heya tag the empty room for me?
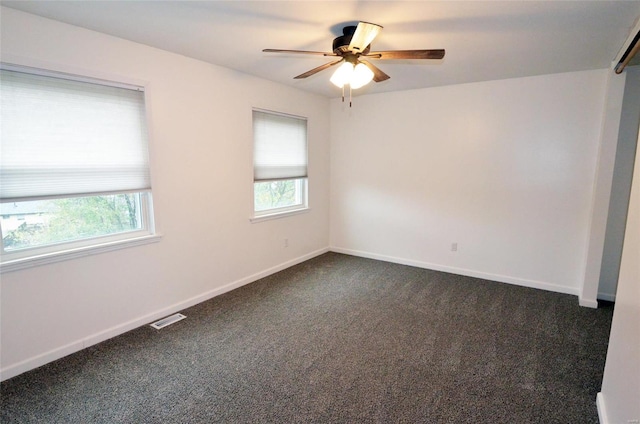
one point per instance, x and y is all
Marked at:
(320, 211)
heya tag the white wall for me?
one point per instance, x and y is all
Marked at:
(620, 185)
(600, 200)
(618, 400)
(503, 168)
(201, 164)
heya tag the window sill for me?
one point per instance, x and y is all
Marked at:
(278, 215)
(63, 255)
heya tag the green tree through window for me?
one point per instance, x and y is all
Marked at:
(75, 218)
(275, 194)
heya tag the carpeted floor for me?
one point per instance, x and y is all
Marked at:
(338, 339)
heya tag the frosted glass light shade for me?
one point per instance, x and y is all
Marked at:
(342, 75)
(361, 76)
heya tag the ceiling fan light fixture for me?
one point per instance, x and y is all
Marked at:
(342, 75)
(361, 76)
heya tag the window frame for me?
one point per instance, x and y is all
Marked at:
(62, 251)
(280, 212)
(284, 210)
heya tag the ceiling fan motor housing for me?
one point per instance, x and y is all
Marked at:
(341, 44)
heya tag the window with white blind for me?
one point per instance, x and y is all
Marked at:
(279, 163)
(74, 164)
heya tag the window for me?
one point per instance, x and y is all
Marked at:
(279, 163)
(74, 168)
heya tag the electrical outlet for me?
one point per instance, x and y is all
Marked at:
(285, 243)
(454, 247)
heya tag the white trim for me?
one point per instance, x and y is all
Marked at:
(278, 215)
(461, 271)
(602, 410)
(63, 255)
(286, 115)
(57, 353)
(63, 68)
(302, 187)
(601, 183)
(147, 228)
(66, 76)
(587, 303)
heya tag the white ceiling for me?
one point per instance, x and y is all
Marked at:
(484, 40)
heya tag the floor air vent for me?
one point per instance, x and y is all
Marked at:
(167, 321)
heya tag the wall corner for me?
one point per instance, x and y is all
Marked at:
(602, 185)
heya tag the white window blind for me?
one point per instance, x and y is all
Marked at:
(63, 137)
(280, 147)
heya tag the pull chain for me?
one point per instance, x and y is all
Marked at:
(349, 95)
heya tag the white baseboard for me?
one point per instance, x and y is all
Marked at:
(602, 410)
(593, 303)
(588, 303)
(461, 271)
(42, 359)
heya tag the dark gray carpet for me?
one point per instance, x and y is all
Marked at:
(338, 339)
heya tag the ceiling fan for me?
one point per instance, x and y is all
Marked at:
(353, 46)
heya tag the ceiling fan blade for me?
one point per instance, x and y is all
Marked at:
(298, 52)
(318, 69)
(378, 75)
(364, 35)
(407, 54)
